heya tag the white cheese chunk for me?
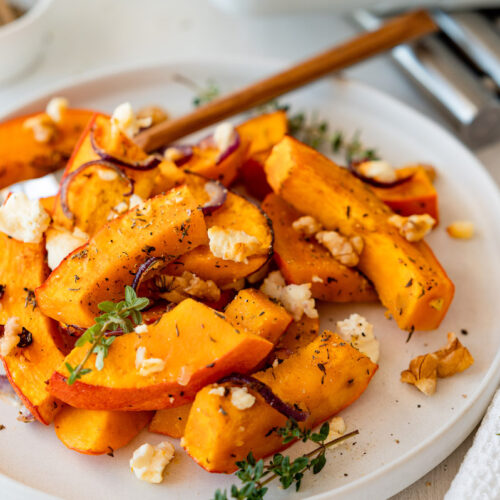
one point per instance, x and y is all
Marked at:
(224, 136)
(147, 366)
(241, 398)
(10, 338)
(60, 242)
(23, 219)
(359, 332)
(149, 461)
(230, 244)
(125, 121)
(56, 108)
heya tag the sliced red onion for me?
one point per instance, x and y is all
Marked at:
(209, 142)
(148, 163)
(66, 181)
(270, 398)
(25, 415)
(144, 268)
(353, 167)
(218, 195)
(185, 153)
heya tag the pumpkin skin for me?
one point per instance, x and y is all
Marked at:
(97, 432)
(30, 367)
(301, 261)
(22, 157)
(216, 438)
(407, 276)
(220, 350)
(164, 226)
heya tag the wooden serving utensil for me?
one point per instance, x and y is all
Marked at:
(399, 30)
(6, 13)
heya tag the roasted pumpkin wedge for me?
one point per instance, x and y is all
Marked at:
(298, 334)
(23, 157)
(262, 133)
(321, 378)
(416, 196)
(171, 422)
(22, 269)
(236, 213)
(408, 278)
(165, 226)
(126, 384)
(97, 432)
(99, 193)
(306, 261)
(253, 311)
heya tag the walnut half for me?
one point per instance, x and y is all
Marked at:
(424, 370)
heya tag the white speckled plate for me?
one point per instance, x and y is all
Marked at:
(403, 434)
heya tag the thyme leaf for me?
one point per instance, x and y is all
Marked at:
(116, 316)
(255, 475)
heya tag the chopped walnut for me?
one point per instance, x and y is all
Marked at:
(454, 358)
(177, 288)
(154, 114)
(414, 227)
(461, 229)
(345, 250)
(424, 370)
(307, 226)
(378, 170)
(43, 128)
(422, 373)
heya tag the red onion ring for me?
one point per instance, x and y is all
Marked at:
(208, 142)
(218, 196)
(66, 181)
(143, 270)
(265, 391)
(372, 182)
(185, 150)
(148, 163)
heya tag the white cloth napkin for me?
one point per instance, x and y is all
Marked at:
(479, 475)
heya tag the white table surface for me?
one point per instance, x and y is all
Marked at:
(89, 35)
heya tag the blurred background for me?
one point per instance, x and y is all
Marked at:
(454, 77)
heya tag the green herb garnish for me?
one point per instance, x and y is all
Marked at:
(123, 315)
(206, 94)
(255, 475)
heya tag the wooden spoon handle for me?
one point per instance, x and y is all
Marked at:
(396, 31)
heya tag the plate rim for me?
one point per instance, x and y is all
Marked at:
(463, 422)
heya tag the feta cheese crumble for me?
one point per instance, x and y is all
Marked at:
(224, 136)
(218, 391)
(125, 121)
(106, 174)
(307, 226)
(359, 332)
(378, 170)
(56, 108)
(296, 299)
(337, 428)
(147, 366)
(241, 398)
(141, 329)
(149, 461)
(230, 244)
(60, 242)
(414, 227)
(10, 338)
(23, 219)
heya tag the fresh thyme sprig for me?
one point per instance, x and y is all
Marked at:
(123, 315)
(206, 94)
(255, 475)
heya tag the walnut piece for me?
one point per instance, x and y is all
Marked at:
(307, 226)
(414, 227)
(424, 370)
(422, 373)
(454, 358)
(177, 288)
(345, 250)
(154, 114)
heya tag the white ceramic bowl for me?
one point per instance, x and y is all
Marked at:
(22, 40)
